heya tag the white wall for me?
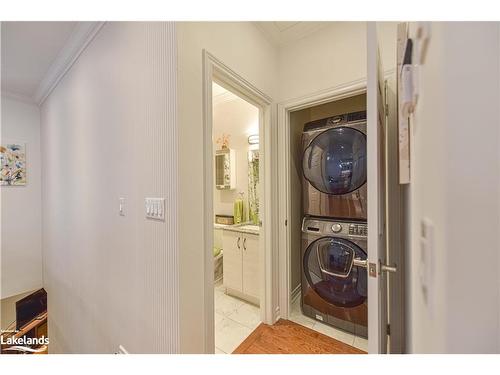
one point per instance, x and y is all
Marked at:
(244, 49)
(330, 57)
(239, 119)
(456, 185)
(21, 247)
(109, 131)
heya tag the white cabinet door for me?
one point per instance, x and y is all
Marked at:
(232, 245)
(251, 280)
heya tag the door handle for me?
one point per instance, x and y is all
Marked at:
(388, 268)
(360, 262)
(373, 267)
(238, 244)
(356, 262)
(245, 244)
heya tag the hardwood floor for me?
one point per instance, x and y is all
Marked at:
(286, 337)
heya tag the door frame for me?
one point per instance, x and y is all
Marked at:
(214, 70)
(343, 91)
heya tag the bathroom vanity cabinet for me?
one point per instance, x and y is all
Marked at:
(241, 265)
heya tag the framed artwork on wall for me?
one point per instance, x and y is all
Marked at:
(13, 164)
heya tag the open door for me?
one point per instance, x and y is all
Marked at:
(377, 283)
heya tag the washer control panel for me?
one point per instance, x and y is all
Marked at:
(336, 228)
(320, 227)
(358, 230)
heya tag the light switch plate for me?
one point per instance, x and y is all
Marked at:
(155, 208)
(121, 208)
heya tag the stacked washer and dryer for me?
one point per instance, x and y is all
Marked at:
(334, 227)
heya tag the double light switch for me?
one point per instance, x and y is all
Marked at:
(155, 208)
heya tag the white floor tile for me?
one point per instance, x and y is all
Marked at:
(302, 320)
(218, 319)
(229, 334)
(299, 318)
(218, 351)
(235, 319)
(247, 314)
(361, 343)
(226, 305)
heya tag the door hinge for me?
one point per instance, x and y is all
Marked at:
(286, 222)
(388, 329)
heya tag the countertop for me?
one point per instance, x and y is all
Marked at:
(248, 228)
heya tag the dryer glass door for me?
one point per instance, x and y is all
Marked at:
(335, 161)
(328, 268)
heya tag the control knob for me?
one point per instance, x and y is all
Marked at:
(336, 228)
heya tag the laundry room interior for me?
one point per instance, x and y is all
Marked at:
(316, 148)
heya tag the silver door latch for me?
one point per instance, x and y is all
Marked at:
(372, 268)
(387, 268)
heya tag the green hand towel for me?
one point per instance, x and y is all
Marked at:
(238, 211)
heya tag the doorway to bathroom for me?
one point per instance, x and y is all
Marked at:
(235, 135)
(237, 276)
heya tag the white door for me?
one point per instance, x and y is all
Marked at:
(251, 275)
(377, 291)
(232, 260)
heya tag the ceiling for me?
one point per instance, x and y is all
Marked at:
(221, 95)
(28, 51)
(280, 33)
(30, 48)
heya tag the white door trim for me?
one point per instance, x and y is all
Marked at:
(284, 234)
(216, 70)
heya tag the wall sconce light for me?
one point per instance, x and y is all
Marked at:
(253, 139)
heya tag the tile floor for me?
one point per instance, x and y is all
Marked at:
(348, 338)
(235, 319)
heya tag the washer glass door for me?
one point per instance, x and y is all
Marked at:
(327, 265)
(335, 161)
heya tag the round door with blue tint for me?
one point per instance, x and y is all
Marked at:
(335, 161)
(328, 268)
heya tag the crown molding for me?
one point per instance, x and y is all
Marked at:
(83, 34)
(18, 97)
